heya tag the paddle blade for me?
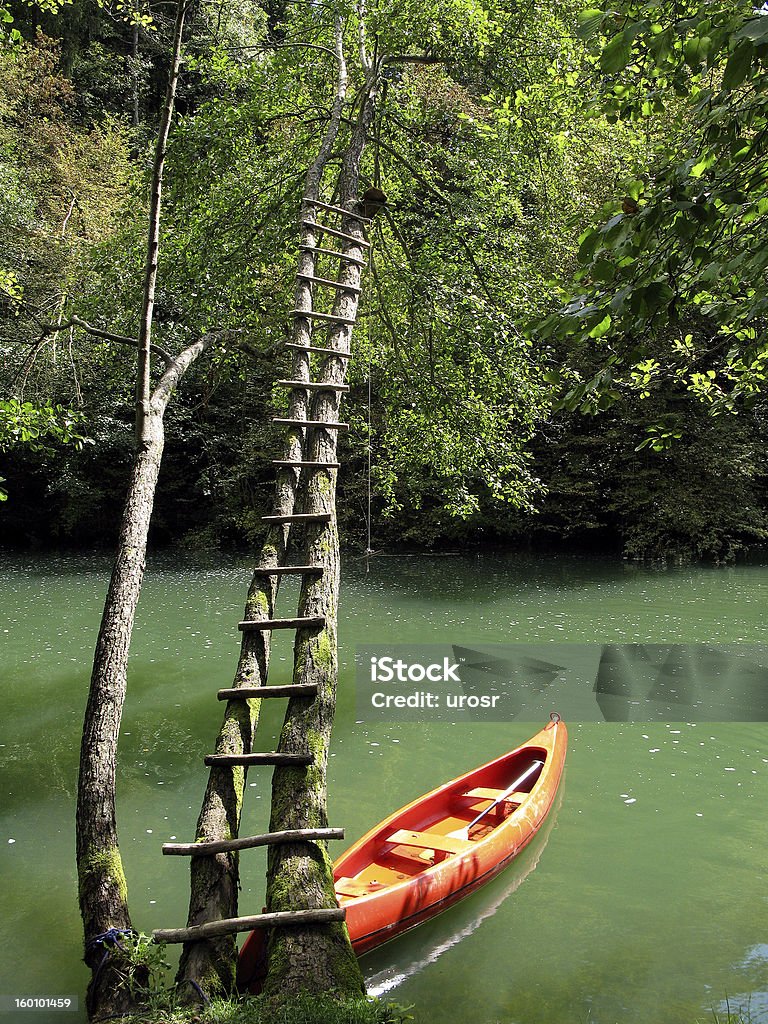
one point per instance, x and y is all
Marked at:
(460, 833)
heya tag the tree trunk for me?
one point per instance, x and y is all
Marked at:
(316, 958)
(101, 882)
(135, 76)
(153, 234)
(210, 965)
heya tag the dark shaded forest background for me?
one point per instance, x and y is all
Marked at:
(495, 159)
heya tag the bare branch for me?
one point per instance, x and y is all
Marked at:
(69, 214)
(364, 58)
(315, 170)
(153, 234)
(97, 332)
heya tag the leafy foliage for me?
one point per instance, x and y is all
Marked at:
(677, 270)
(517, 147)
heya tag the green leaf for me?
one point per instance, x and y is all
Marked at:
(588, 244)
(602, 270)
(739, 63)
(755, 29)
(707, 161)
(589, 23)
(601, 329)
(635, 188)
(656, 295)
(696, 51)
(618, 53)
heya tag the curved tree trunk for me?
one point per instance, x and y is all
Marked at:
(102, 887)
(101, 881)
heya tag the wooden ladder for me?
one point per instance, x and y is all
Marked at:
(304, 502)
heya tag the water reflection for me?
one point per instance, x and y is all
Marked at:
(754, 1003)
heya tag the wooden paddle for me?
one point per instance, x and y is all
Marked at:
(463, 833)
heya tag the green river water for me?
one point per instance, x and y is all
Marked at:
(645, 898)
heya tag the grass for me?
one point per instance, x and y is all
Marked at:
(304, 1009)
(160, 1003)
(744, 1015)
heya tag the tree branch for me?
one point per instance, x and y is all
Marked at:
(262, 48)
(412, 58)
(97, 332)
(153, 234)
(178, 365)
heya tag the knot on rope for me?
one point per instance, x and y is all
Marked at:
(106, 940)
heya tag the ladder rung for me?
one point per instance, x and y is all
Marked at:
(293, 835)
(246, 692)
(289, 570)
(334, 252)
(288, 422)
(336, 234)
(321, 465)
(328, 318)
(307, 385)
(299, 517)
(330, 284)
(230, 925)
(271, 757)
(338, 209)
(309, 622)
(317, 348)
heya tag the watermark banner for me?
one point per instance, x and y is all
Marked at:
(583, 682)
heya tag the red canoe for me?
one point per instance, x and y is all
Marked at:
(440, 848)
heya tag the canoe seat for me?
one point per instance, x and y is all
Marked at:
(481, 793)
(429, 841)
(352, 887)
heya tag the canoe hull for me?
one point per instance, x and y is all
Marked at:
(413, 865)
(382, 914)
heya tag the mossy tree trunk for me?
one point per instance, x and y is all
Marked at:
(214, 881)
(101, 880)
(210, 965)
(102, 886)
(317, 958)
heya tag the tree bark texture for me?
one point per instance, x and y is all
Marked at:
(317, 958)
(153, 235)
(101, 881)
(214, 880)
(102, 886)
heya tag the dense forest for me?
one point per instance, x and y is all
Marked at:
(561, 337)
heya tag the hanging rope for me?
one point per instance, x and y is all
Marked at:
(377, 188)
(369, 549)
(106, 940)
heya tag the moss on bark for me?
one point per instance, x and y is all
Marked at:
(105, 869)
